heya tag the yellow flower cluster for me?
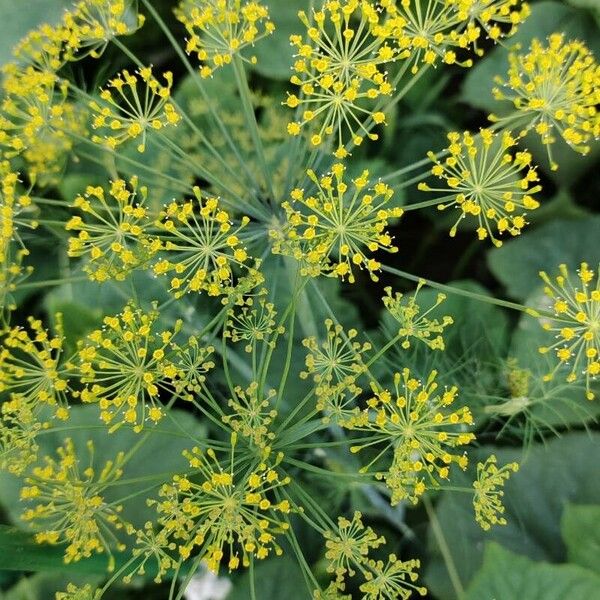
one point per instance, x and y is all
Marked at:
(555, 89)
(218, 30)
(412, 322)
(340, 72)
(202, 246)
(252, 415)
(125, 364)
(487, 181)
(332, 231)
(487, 499)
(78, 593)
(113, 232)
(131, 105)
(19, 426)
(392, 579)
(36, 119)
(69, 506)
(229, 510)
(414, 424)
(576, 325)
(336, 362)
(32, 365)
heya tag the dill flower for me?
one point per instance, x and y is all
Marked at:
(427, 33)
(340, 72)
(348, 546)
(36, 120)
(252, 325)
(131, 105)
(125, 364)
(252, 415)
(332, 592)
(69, 506)
(113, 230)
(15, 210)
(220, 29)
(413, 422)
(392, 579)
(92, 24)
(19, 426)
(484, 179)
(555, 89)
(43, 47)
(32, 366)
(412, 322)
(334, 230)
(336, 362)
(576, 324)
(152, 546)
(202, 246)
(227, 511)
(192, 362)
(487, 499)
(87, 592)
(498, 18)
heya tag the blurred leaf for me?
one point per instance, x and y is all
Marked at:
(580, 526)
(274, 579)
(518, 262)
(17, 22)
(551, 475)
(275, 54)
(507, 576)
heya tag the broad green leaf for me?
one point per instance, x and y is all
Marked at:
(274, 54)
(507, 576)
(273, 579)
(580, 526)
(518, 262)
(18, 19)
(551, 475)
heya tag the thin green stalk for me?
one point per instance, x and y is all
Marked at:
(460, 292)
(250, 115)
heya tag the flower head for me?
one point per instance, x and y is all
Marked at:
(336, 362)
(487, 499)
(32, 365)
(576, 324)
(152, 546)
(335, 230)
(192, 362)
(347, 548)
(78, 593)
(69, 506)
(221, 29)
(252, 415)
(202, 247)
(555, 89)
(228, 510)
(412, 322)
(131, 105)
(340, 72)
(487, 181)
(19, 426)
(92, 24)
(414, 423)
(392, 579)
(112, 232)
(124, 365)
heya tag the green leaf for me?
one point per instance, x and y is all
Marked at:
(274, 54)
(507, 576)
(273, 579)
(19, 552)
(518, 262)
(580, 526)
(18, 19)
(551, 475)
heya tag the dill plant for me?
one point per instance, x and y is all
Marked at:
(225, 266)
